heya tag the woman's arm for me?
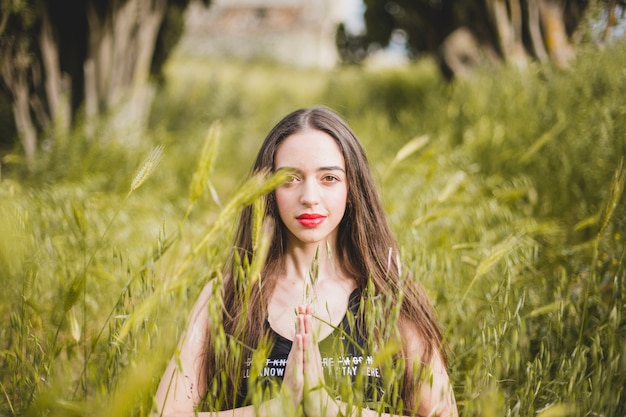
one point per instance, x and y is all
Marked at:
(182, 386)
(435, 395)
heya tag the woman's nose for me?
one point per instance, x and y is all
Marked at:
(310, 193)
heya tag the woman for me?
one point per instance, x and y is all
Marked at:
(331, 268)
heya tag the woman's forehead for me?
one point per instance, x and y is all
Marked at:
(310, 148)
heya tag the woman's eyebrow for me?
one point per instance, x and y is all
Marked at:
(290, 169)
(331, 168)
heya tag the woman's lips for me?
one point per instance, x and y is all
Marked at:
(310, 220)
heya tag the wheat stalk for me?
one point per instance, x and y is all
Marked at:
(407, 150)
(615, 193)
(147, 168)
(201, 177)
(310, 281)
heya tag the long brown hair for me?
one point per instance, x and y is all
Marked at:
(364, 247)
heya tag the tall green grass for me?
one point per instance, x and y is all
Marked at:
(505, 192)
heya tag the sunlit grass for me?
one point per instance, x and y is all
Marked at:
(505, 192)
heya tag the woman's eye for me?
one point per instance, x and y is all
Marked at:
(291, 179)
(330, 178)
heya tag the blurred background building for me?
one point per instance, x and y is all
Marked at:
(298, 32)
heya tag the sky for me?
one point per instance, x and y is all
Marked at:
(353, 12)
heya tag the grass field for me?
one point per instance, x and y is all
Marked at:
(505, 192)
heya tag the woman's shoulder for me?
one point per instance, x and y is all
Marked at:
(412, 339)
(200, 308)
(207, 290)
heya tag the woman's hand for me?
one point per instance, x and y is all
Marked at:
(293, 382)
(316, 402)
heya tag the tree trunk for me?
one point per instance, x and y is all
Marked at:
(514, 30)
(611, 20)
(56, 86)
(14, 72)
(121, 46)
(79, 54)
(534, 30)
(554, 33)
(23, 121)
(507, 19)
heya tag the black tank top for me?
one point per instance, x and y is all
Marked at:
(348, 364)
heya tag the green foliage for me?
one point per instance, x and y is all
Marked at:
(428, 23)
(505, 192)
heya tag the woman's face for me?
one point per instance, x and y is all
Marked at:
(312, 203)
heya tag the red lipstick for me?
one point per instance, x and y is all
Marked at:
(310, 220)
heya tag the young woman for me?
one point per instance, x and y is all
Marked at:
(333, 326)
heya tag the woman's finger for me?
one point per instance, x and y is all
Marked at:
(308, 323)
(300, 324)
(293, 381)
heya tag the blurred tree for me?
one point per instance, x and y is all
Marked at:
(351, 47)
(463, 33)
(59, 57)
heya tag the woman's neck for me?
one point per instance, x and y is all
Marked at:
(311, 262)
